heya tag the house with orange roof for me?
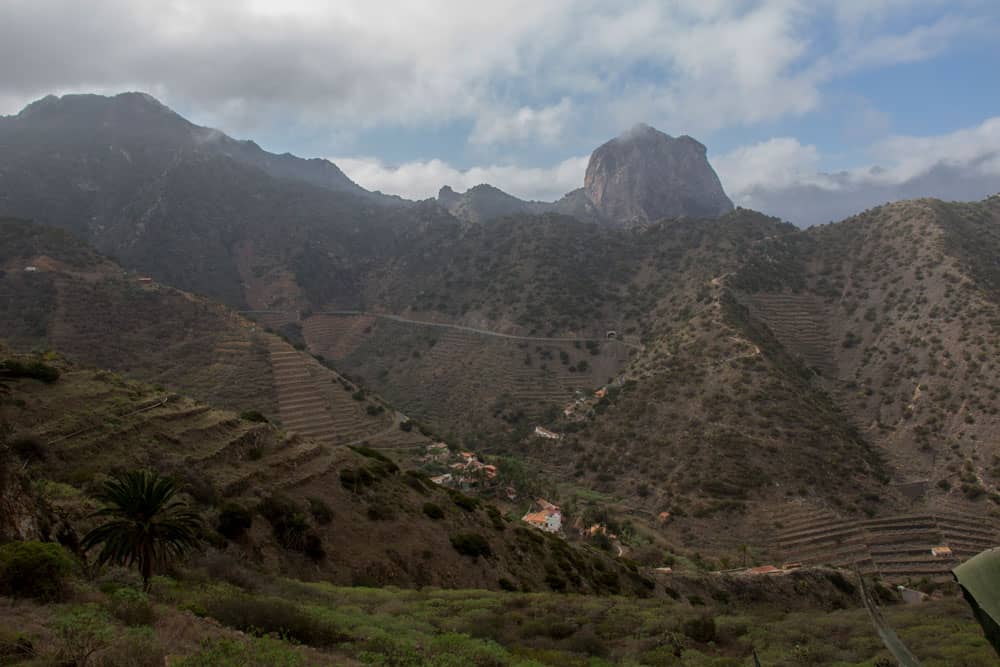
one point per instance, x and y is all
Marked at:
(548, 518)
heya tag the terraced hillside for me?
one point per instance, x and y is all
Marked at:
(801, 323)
(336, 336)
(355, 517)
(319, 404)
(897, 548)
(91, 310)
(905, 297)
(456, 379)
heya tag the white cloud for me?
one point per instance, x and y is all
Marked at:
(775, 163)
(546, 124)
(780, 176)
(423, 179)
(684, 65)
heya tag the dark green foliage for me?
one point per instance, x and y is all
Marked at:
(506, 584)
(131, 607)
(700, 629)
(320, 511)
(471, 544)
(406, 425)
(28, 448)
(36, 370)
(467, 503)
(253, 416)
(356, 479)
(34, 570)
(433, 511)
(234, 521)
(372, 454)
(145, 526)
(288, 523)
(496, 518)
(262, 616)
(418, 481)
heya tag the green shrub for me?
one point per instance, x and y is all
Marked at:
(28, 448)
(80, 633)
(467, 503)
(234, 521)
(262, 652)
(418, 481)
(388, 465)
(35, 370)
(356, 479)
(700, 629)
(320, 511)
(290, 527)
(471, 544)
(506, 584)
(266, 615)
(253, 416)
(131, 607)
(34, 570)
(136, 647)
(433, 511)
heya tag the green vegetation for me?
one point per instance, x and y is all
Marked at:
(36, 370)
(234, 521)
(34, 570)
(471, 544)
(145, 526)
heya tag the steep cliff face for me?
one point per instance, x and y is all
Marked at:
(646, 175)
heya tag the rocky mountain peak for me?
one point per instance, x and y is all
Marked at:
(645, 175)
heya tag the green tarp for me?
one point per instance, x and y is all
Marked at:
(979, 578)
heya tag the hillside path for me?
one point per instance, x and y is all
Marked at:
(482, 332)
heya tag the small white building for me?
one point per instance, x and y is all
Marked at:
(543, 432)
(31, 269)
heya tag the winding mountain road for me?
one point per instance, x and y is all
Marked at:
(482, 332)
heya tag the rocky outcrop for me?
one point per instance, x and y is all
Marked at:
(645, 175)
(642, 176)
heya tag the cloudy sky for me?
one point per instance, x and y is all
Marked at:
(811, 109)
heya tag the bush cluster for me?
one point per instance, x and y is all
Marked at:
(471, 544)
(34, 570)
(36, 370)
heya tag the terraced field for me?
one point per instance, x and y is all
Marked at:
(799, 321)
(897, 548)
(437, 373)
(271, 319)
(336, 336)
(314, 402)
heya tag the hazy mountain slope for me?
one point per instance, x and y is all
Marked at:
(897, 310)
(93, 311)
(169, 198)
(368, 522)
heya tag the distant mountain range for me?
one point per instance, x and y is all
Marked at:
(747, 365)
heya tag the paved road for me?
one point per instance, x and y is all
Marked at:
(482, 332)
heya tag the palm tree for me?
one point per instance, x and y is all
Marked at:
(146, 526)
